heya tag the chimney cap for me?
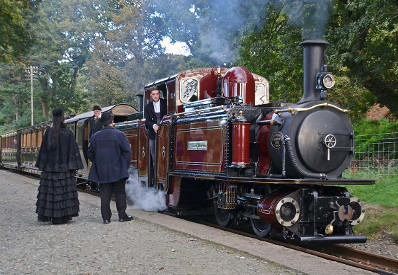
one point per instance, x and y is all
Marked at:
(314, 41)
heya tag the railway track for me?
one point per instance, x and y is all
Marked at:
(339, 253)
(360, 258)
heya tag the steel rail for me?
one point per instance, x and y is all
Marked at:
(338, 253)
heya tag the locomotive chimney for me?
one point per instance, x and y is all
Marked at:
(313, 61)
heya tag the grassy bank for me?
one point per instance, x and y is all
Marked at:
(381, 201)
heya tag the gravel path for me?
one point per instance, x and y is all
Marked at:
(86, 246)
(382, 246)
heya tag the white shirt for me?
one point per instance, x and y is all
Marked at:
(98, 117)
(156, 106)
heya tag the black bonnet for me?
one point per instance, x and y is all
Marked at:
(58, 112)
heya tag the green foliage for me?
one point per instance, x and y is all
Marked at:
(273, 52)
(384, 192)
(372, 131)
(368, 127)
(364, 38)
(349, 95)
(15, 33)
(379, 222)
(14, 92)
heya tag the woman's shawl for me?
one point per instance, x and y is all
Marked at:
(60, 154)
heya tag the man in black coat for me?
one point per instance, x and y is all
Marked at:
(95, 124)
(110, 153)
(154, 112)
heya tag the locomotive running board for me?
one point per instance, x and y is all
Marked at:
(334, 239)
(269, 180)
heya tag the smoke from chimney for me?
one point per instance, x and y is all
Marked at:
(311, 16)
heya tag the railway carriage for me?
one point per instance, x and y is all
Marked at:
(30, 141)
(19, 149)
(10, 150)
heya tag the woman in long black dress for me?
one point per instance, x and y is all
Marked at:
(58, 159)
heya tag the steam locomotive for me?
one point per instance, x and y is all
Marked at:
(277, 166)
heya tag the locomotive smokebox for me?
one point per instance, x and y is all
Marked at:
(313, 61)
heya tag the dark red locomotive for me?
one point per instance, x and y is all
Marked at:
(276, 166)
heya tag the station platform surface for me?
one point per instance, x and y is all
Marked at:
(152, 243)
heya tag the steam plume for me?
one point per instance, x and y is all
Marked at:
(148, 199)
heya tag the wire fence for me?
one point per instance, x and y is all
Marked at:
(375, 154)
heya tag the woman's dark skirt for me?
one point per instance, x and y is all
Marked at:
(57, 200)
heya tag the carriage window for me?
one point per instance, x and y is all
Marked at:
(39, 137)
(189, 90)
(34, 139)
(29, 140)
(23, 139)
(260, 94)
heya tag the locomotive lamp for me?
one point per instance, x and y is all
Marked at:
(329, 229)
(324, 81)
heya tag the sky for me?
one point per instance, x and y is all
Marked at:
(178, 48)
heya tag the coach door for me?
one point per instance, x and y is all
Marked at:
(162, 154)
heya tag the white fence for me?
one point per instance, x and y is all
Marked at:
(375, 154)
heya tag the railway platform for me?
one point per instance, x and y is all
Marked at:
(152, 243)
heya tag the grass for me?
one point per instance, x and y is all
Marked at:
(381, 204)
(383, 193)
(379, 222)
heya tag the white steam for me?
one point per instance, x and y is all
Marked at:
(214, 27)
(142, 197)
(311, 16)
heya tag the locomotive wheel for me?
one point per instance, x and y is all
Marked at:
(223, 217)
(261, 228)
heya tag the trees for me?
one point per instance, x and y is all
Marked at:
(364, 36)
(105, 51)
(362, 53)
(15, 32)
(272, 51)
(66, 31)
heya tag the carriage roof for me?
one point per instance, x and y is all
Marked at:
(115, 110)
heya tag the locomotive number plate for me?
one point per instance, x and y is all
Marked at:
(197, 145)
(276, 140)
